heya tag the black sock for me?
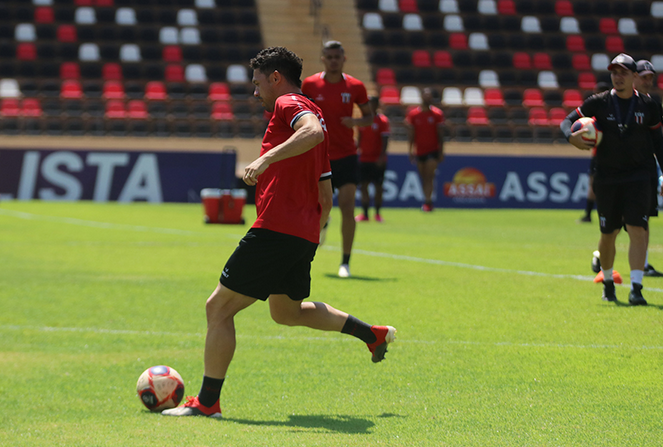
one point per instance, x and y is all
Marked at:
(377, 210)
(210, 391)
(365, 207)
(359, 329)
(346, 259)
(589, 207)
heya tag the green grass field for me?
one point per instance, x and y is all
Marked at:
(502, 340)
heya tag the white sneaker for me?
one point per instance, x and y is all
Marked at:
(323, 231)
(344, 271)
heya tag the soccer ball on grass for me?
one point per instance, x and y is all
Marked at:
(160, 387)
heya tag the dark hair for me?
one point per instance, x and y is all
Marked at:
(333, 45)
(279, 59)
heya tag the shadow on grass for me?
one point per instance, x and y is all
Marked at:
(627, 304)
(360, 278)
(320, 423)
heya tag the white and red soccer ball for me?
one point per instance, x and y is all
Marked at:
(160, 387)
(593, 134)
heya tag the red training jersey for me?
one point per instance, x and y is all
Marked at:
(287, 192)
(425, 123)
(371, 138)
(336, 101)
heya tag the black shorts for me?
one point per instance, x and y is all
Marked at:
(267, 262)
(344, 171)
(435, 155)
(621, 204)
(371, 173)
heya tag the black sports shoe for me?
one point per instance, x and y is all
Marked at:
(635, 297)
(609, 291)
(651, 271)
(596, 261)
(585, 218)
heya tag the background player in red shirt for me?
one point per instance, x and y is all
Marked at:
(273, 260)
(426, 145)
(372, 145)
(336, 93)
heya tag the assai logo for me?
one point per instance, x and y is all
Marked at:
(469, 185)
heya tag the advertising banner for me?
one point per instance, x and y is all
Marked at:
(113, 176)
(491, 182)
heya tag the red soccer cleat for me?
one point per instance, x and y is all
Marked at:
(361, 218)
(193, 407)
(385, 335)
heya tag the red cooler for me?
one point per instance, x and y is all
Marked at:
(223, 206)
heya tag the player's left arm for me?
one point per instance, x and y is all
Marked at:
(308, 134)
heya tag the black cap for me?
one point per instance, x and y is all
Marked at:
(623, 60)
(645, 67)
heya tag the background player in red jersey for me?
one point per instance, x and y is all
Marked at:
(426, 145)
(372, 145)
(273, 260)
(336, 93)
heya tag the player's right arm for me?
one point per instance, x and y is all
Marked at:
(575, 138)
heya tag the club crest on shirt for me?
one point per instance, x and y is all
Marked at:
(346, 97)
(639, 117)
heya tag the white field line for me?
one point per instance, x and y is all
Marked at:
(144, 229)
(322, 339)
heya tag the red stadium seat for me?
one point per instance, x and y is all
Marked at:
(113, 90)
(659, 81)
(608, 26)
(385, 76)
(155, 91)
(136, 109)
(506, 7)
(26, 51)
(219, 91)
(172, 53)
(458, 41)
(104, 3)
(614, 44)
(9, 107)
(71, 89)
(580, 61)
(70, 70)
(522, 60)
(586, 80)
(421, 58)
(442, 59)
(408, 6)
(390, 95)
(572, 98)
(31, 107)
(564, 8)
(493, 97)
(222, 111)
(44, 14)
(542, 61)
(538, 117)
(115, 109)
(476, 116)
(557, 115)
(67, 33)
(174, 73)
(575, 43)
(111, 71)
(532, 97)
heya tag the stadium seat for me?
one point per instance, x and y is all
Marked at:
(608, 25)
(458, 41)
(187, 17)
(44, 14)
(408, 6)
(506, 7)
(115, 109)
(222, 111)
(453, 24)
(10, 107)
(522, 60)
(614, 44)
(168, 35)
(542, 61)
(452, 96)
(627, 26)
(85, 16)
(421, 58)
(9, 88)
(530, 24)
(130, 52)
(412, 22)
(189, 36)
(600, 62)
(111, 71)
(657, 9)
(547, 79)
(572, 98)
(493, 97)
(136, 109)
(442, 59)
(586, 80)
(113, 90)
(532, 97)
(174, 73)
(448, 7)
(569, 25)
(172, 53)
(70, 70)
(26, 51)
(89, 52)
(236, 73)
(581, 61)
(476, 116)
(556, 116)
(410, 95)
(125, 17)
(488, 78)
(538, 117)
(372, 21)
(219, 91)
(385, 76)
(473, 96)
(563, 8)
(575, 43)
(67, 33)
(71, 89)
(195, 73)
(487, 7)
(25, 32)
(390, 95)
(30, 107)
(388, 5)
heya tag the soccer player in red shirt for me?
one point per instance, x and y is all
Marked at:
(425, 134)
(336, 93)
(372, 146)
(273, 260)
